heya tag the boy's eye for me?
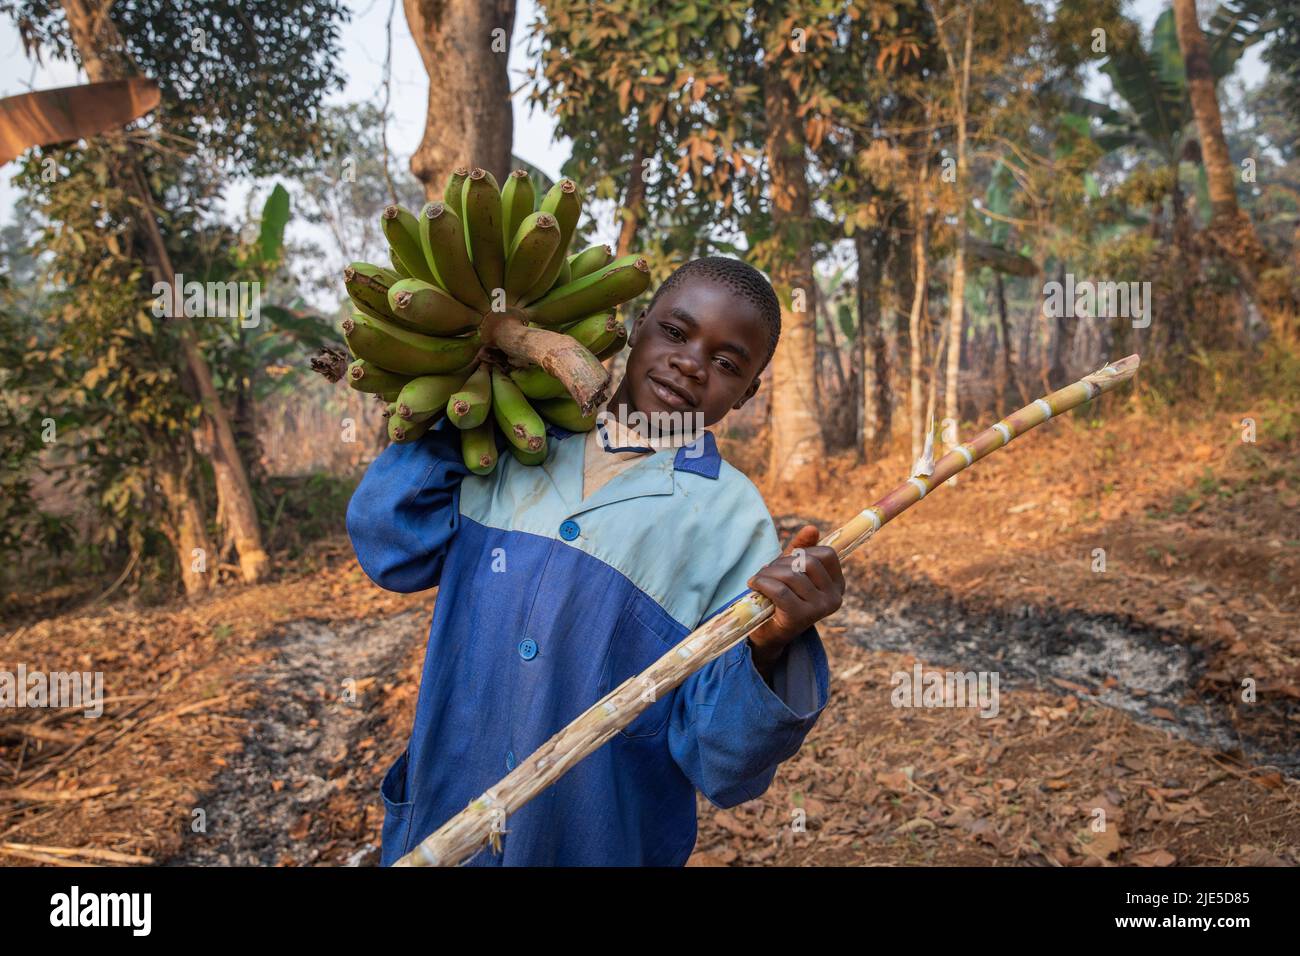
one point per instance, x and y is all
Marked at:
(727, 365)
(674, 333)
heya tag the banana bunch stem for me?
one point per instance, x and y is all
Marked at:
(560, 355)
(484, 819)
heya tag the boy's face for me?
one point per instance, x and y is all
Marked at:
(698, 351)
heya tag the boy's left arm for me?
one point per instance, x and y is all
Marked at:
(739, 717)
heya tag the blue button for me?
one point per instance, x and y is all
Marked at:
(528, 648)
(510, 760)
(569, 530)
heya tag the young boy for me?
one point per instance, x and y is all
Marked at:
(559, 581)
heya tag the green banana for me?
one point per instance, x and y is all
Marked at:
(595, 332)
(614, 347)
(428, 309)
(469, 407)
(536, 382)
(442, 237)
(478, 446)
(426, 397)
(402, 230)
(562, 202)
(532, 248)
(517, 201)
(367, 377)
(402, 431)
(397, 264)
(528, 457)
(368, 287)
(515, 417)
(451, 194)
(481, 200)
(566, 413)
(603, 289)
(390, 409)
(587, 261)
(394, 348)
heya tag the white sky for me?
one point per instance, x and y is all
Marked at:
(363, 61)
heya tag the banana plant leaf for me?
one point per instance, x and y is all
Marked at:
(275, 216)
(309, 330)
(1234, 27)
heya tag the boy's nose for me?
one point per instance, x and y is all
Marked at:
(687, 364)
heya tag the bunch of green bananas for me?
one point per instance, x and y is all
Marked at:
(414, 332)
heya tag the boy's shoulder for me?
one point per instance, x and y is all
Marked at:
(731, 487)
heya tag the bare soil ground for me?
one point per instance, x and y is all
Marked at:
(254, 726)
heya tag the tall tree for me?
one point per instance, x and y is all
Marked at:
(465, 46)
(795, 429)
(104, 57)
(1231, 228)
(959, 64)
(241, 83)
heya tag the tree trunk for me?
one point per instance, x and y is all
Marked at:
(796, 434)
(103, 55)
(633, 200)
(1050, 368)
(867, 325)
(875, 380)
(957, 293)
(465, 45)
(1230, 228)
(1003, 380)
(183, 524)
(833, 343)
(914, 323)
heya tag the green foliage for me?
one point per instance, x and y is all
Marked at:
(243, 80)
(307, 509)
(275, 216)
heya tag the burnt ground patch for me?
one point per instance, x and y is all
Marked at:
(1155, 674)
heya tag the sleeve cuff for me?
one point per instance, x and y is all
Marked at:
(800, 680)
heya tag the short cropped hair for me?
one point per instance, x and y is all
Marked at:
(742, 279)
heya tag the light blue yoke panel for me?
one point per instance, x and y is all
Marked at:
(669, 545)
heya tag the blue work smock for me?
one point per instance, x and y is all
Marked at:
(546, 602)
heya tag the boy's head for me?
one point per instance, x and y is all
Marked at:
(703, 341)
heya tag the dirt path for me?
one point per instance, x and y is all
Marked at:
(1120, 697)
(312, 714)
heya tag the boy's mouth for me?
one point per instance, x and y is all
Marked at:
(675, 396)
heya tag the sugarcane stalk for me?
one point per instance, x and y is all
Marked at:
(483, 821)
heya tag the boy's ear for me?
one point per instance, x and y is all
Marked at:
(636, 326)
(749, 392)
